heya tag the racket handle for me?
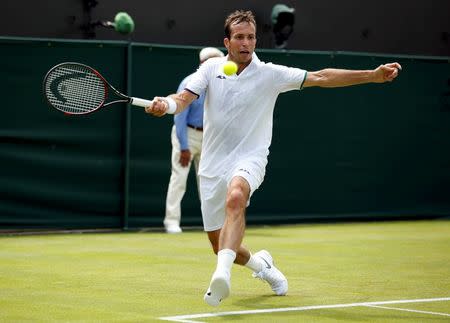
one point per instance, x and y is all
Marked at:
(141, 102)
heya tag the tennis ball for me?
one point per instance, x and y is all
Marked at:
(230, 68)
(124, 24)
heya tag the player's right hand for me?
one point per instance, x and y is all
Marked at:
(158, 108)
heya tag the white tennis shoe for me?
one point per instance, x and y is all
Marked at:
(271, 274)
(219, 288)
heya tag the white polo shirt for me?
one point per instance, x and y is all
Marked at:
(238, 112)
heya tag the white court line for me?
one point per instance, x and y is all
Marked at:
(408, 310)
(188, 318)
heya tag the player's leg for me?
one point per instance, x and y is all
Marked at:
(228, 246)
(248, 177)
(220, 284)
(227, 241)
(243, 255)
(233, 228)
(214, 193)
(176, 188)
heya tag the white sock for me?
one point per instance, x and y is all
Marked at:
(225, 259)
(254, 264)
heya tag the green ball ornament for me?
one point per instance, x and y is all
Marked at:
(124, 24)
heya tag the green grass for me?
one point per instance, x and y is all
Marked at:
(139, 277)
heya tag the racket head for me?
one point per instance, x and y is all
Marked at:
(75, 88)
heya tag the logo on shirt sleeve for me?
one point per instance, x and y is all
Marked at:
(243, 170)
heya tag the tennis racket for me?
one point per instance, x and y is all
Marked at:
(75, 88)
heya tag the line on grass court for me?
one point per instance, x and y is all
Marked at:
(408, 310)
(189, 318)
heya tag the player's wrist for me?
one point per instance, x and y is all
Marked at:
(373, 76)
(171, 105)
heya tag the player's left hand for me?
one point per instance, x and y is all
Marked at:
(158, 108)
(386, 72)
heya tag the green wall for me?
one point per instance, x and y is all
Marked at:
(377, 151)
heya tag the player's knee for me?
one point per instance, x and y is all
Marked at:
(236, 199)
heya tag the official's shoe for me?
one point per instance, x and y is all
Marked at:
(173, 229)
(219, 288)
(271, 274)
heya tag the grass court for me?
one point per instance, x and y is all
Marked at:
(347, 272)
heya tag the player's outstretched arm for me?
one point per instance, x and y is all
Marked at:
(331, 77)
(173, 104)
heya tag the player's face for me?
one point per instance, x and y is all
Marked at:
(241, 43)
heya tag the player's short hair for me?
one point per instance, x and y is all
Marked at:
(237, 17)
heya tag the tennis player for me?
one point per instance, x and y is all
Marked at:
(236, 138)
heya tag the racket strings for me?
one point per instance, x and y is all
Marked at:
(75, 89)
(83, 95)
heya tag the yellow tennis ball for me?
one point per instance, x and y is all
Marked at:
(230, 68)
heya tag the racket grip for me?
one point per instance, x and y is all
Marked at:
(141, 102)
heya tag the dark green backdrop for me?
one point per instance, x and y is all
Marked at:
(364, 152)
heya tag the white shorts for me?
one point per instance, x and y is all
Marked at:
(213, 192)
